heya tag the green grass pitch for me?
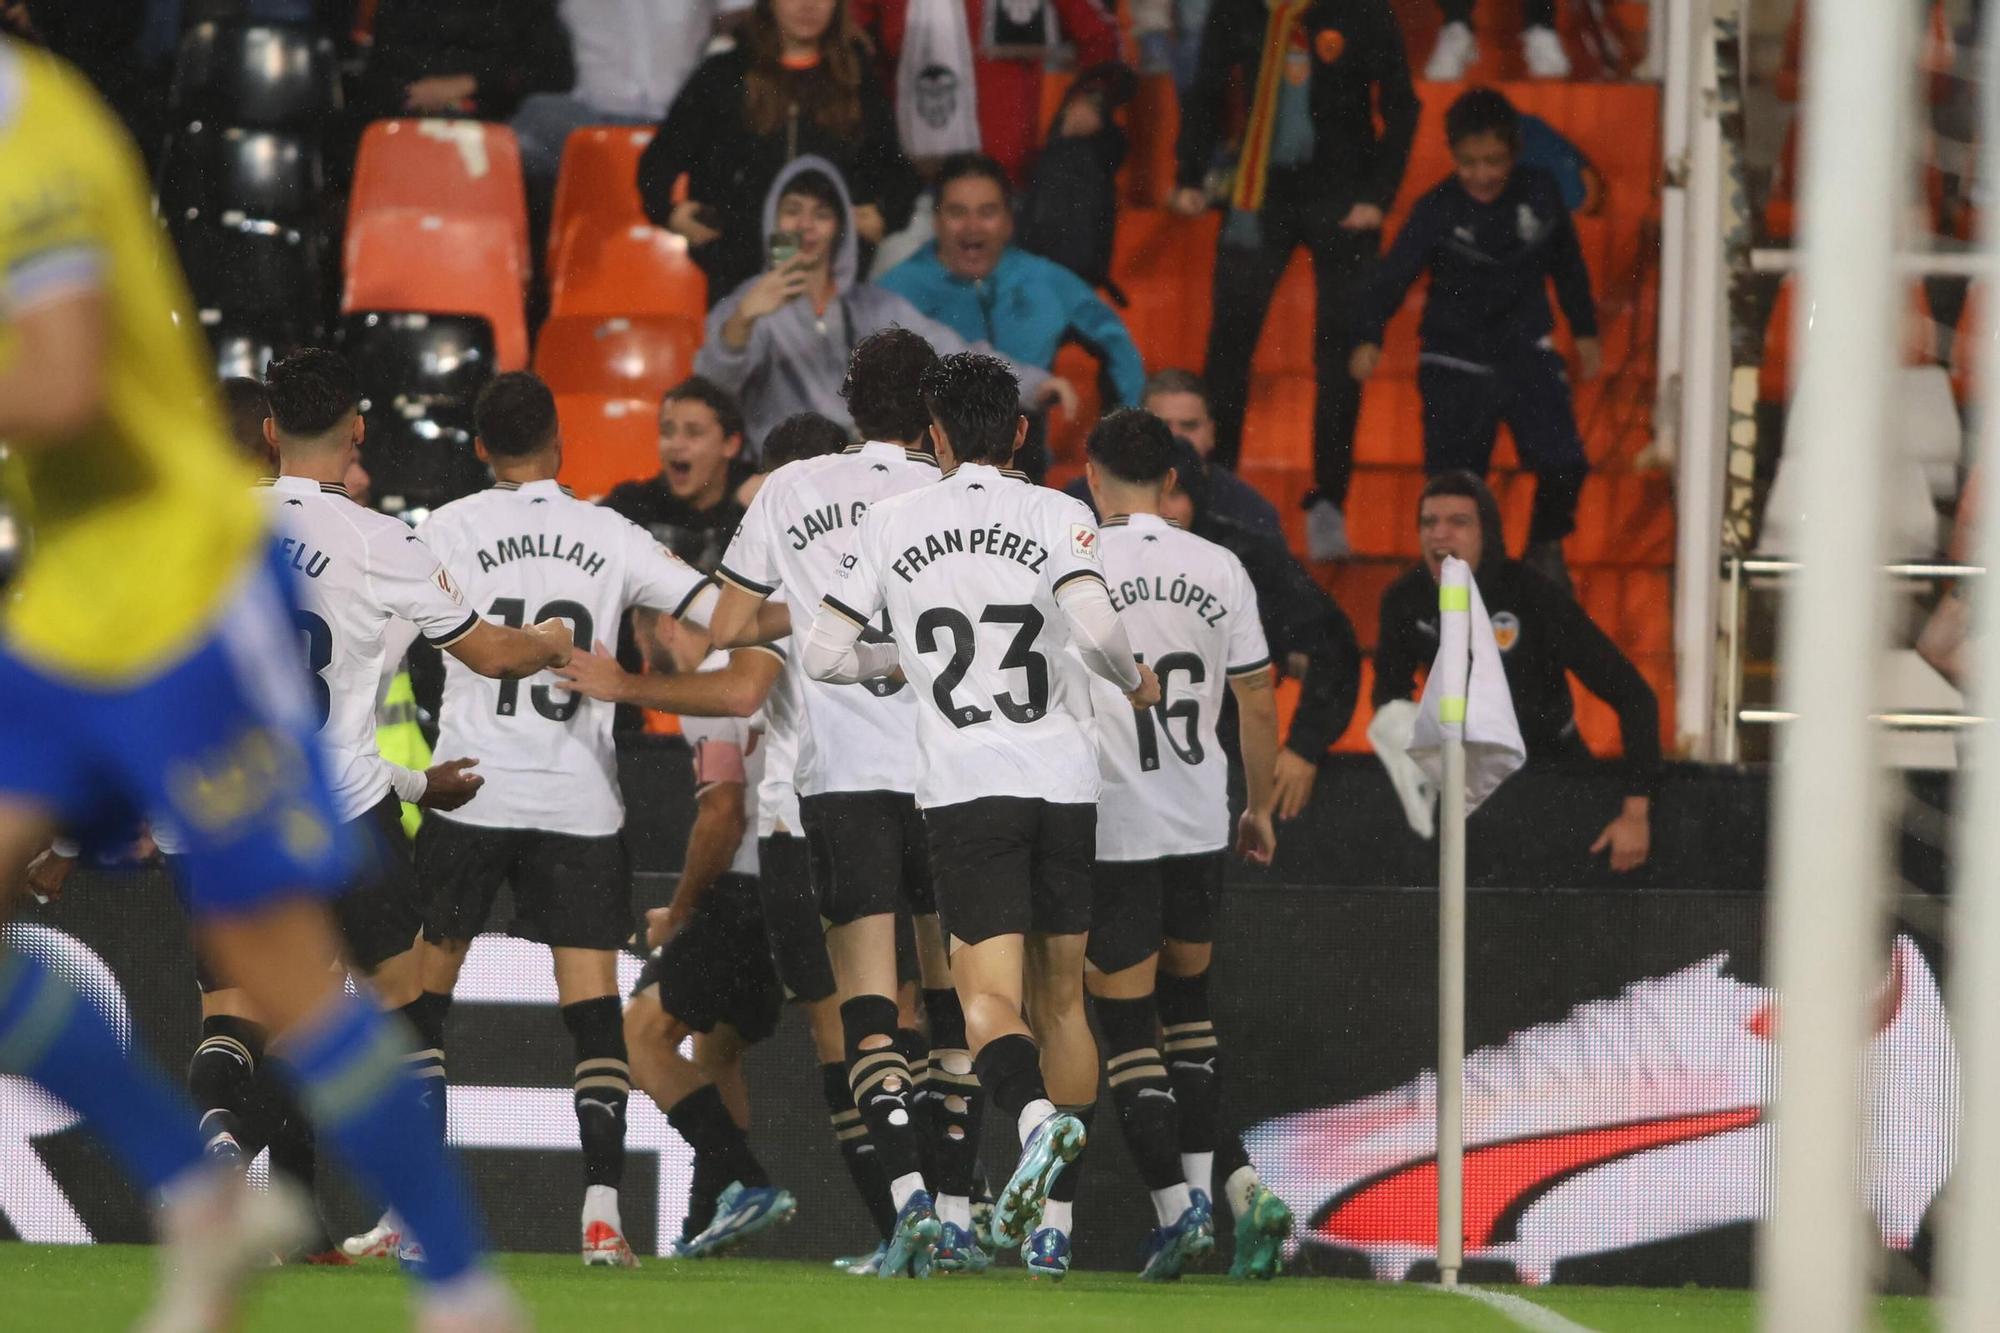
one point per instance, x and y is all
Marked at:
(84, 1289)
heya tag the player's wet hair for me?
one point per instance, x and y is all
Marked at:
(884, 385)
(515, 415)
(976, 400)
(311, 391)
(1483, 111)
(696, 389)
(801, 435)
(244, 407)
(1468, 485)
(1133, 445)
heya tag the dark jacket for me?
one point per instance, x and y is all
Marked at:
(1544, 637)
(1228, 497)
(706, 135)
(1490, 265)
(1300, 618)
(512, 47)
(1358, 61)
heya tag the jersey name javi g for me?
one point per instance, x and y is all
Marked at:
(529, 553)
(967, 572)
(1190, 613)
(792, 543)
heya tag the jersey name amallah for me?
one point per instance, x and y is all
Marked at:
(1178, 591)
(543, 545)
(827, 518)
(995, 540)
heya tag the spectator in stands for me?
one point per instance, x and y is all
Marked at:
(631, 61)
(974, 279)
(476, 58)
(690, 507)
(780, 341)
(1544, 637)
(796, 84)
(1313, 172)
(1310, 637)
(1178, 398)
(1009, 43)
(1492, 236)
(1456, 49)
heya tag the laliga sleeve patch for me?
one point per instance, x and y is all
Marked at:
(443, 580)
(1083, 541)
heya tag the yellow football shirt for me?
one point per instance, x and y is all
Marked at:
(140, 525)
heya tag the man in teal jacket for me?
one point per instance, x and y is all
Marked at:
(974, 280)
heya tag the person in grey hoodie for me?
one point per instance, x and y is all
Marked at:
(781, 341)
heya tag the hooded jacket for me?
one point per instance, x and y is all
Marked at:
(1544, 637)
(1025, 307)
(796, 356)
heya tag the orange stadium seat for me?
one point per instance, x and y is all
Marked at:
(638, 356)
(638, 269)
(400, 259)
(598, 187)
(453, 168)
(606, 441)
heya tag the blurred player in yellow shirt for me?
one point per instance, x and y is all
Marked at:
(151, 671)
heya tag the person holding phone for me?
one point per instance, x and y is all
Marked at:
(780, 342)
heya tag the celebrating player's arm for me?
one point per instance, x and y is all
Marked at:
(502, 653)
(737, 690)
(721, 816)
(1257, 733)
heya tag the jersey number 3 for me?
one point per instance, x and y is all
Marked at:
(319, 656)
(1020, 656)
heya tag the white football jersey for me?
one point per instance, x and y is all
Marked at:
(778, 794)
(1191, 614)
(968, 570)
(803, 521)
(729, 749)
(357, 574)
(531, 553)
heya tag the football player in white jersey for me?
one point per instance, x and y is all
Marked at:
(750, 682)
(364, 584)
(856, 772)
(1162, 832)
(548, 819)
(989, 583)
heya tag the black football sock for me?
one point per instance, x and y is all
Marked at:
(603, 1086)
(881, 1082)
(426, 1015)
(956, 1106)
(856, 1152)
(1140, 1089)
(704, 1121)
(221, 1078)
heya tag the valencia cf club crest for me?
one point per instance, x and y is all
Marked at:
(1506, 630)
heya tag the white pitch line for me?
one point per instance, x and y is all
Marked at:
(1525, 1313)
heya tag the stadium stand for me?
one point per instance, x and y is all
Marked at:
(420, 375)
(451, 168)
(401, 259)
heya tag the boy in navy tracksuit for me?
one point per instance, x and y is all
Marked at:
(1491, 236)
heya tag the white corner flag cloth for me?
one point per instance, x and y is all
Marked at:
(1466, 693)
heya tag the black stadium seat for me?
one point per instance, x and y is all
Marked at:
(420, 375)
(260, 74)
(245, 268)
(272, 175)
(246, 346)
